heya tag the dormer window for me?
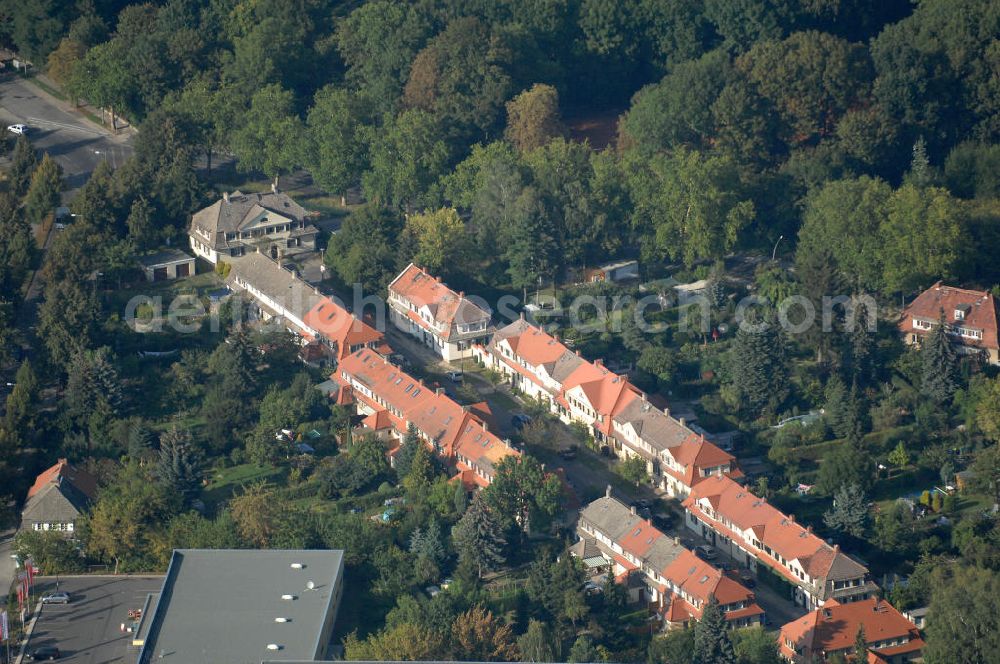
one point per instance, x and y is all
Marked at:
(961, 311)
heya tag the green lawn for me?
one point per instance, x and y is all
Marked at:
(226, 482)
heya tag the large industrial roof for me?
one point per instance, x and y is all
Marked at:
(229, 606)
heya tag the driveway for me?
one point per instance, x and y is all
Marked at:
(76, 143)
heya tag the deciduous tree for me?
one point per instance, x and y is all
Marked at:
(533, 118)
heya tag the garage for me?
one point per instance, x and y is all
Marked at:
(166, 264)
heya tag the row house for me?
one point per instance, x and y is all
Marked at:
(615, 412)
(674, 579)
(970, 317)
(831, 631)
(446, 321)
(754, 533)
(391, 401)
(316, 320)
(240, 224)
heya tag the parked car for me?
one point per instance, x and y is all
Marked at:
(747, 578)
(433, 591)
(591, 588)
(44, 653)
(18, 129)
(455, 376)
(705, 552)
(663, 521)
(568, 454)
(520, 420)
(446, 583)
(55, 598)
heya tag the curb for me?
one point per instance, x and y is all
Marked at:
(123, 134)
(28, 632)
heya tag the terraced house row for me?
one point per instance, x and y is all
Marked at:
(673, 578)
(325, 330)
(759, 536)
(392, 401)
(614, 411)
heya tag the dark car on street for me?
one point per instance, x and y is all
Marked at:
(44, 654)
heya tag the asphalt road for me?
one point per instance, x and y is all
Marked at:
(7, 566)
(88, 629)
(77, 144)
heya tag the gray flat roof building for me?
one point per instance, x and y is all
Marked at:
(243, 607)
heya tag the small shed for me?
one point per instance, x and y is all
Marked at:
(167, 264)
(620, 271)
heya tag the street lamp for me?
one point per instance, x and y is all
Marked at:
(775, 251)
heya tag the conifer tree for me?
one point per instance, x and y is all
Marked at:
(23, 162)
(860, 645)
(711, 637)
(140, 439)
(940, 364)
(861, 347)
(478, 538)
(818, 275)
(408, 449)
(849, 513)
(178, 467)
(759, 371)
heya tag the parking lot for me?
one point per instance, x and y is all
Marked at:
(88, 629)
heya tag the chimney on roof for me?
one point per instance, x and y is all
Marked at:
(791, 517)
(677, 540)
(225, 196)
(438, 390)
(809, 529)
(485, 428)
(836, 548)
(632, 509)
(683, 423)
(461, 293)
(607, 491)
(599, 362)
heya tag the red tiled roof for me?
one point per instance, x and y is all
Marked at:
(446, 306)
(83, 481)
(779, 532)
(378, 420)
(455, 431)
(640, 539)
(338, 325)
(979, 306)
(835, 627)
(700, 580)
(468, 477)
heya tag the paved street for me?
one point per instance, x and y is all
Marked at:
(88, 629)
(72, 140)
(7, 566)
